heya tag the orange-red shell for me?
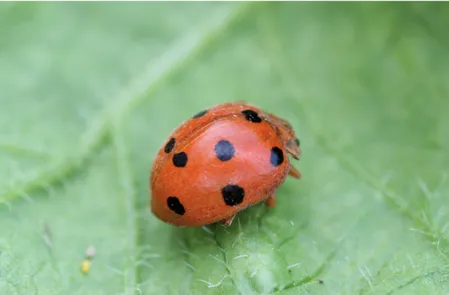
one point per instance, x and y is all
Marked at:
(252, 156)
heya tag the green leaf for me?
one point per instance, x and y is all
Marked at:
(89, 92)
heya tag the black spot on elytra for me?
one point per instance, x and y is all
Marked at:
(224, 150)
(233, 194)
(297, 141)
(170, 145)
(175, 205)
(200, 114)
(277, 156)
(180, 159)
(252, 116)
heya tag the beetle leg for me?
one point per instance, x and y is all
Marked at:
(228, 221)
(271, 201)
(294, 172)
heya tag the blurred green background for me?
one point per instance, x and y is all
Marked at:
(89, 92)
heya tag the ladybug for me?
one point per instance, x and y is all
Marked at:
(219, 162)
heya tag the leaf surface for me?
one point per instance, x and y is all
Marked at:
(90, 91)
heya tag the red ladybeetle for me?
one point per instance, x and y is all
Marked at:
(219, 162)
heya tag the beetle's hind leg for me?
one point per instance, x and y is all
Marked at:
(293, 172)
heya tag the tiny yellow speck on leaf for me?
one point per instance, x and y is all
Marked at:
(85, 266)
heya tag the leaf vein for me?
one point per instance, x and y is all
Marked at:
(172, 61)
(127, 183)
(415, 279)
